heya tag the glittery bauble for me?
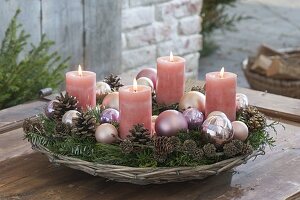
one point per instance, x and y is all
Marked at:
(216, 113)
(48, 109)
(145, 81)
(241, 101)
(193, 117)
(240, 130)
(109, 115)
(69, 116)
(192, 99)
(106, 133)
(219, 128)
(111, 100)
(150, 73)
(169, 122)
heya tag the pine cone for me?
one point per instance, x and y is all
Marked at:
(62, 130)
(257, 122)
(114, 82)
(139, 135)
(198, 154)
(84, 125)
(126, 146)
(162, 148)
(199, 89)
(210, 150)
(254, 119)
(247, 149)
(33, 126)
(230, 149)
(175, 143)
(189, 146)
(64, 104)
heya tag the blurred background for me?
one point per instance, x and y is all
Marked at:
(47, 38)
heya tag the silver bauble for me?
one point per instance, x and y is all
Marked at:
(69, 116)
(106, 133)
(241, 101)
(192, 99)
(111, 100)
(219, 128)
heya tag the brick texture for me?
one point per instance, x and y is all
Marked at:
(153, 28)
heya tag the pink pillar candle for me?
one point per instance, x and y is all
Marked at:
(170, 79)
(135, 108)
(82, 85)
(221, 93)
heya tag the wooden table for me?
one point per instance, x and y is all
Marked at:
(25, 174)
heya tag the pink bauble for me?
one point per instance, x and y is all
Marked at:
(111, 100)
(192, 99)
(169, 122)
(106, 133)
(149, 73)
(240, 130)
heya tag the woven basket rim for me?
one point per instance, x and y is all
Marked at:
(147, 175)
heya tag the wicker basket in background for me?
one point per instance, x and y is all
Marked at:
(289, 88)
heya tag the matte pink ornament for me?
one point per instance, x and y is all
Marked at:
(150, 73)
(240, 130)
(169, 122)
(111, 100)
(106, 133)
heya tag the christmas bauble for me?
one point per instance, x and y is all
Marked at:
(219, 128)
(109, 115)
(240, 130)
(192, 99)
(102, 89)
(106, 133)
(193, 117)
(241, 101)
(169, 122)
(150, 73)
(69, 116)
(111, 100)
(145, 81)
(216, 113)
(48, 109)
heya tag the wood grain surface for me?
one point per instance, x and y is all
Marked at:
(273, 176)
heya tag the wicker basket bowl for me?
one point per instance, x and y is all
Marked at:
(144, 176)
(289, 88)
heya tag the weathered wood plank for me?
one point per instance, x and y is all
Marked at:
(33, 177)
(12, 118)
(12, 144)
(103, 36)
(29, 17)
(62, 21)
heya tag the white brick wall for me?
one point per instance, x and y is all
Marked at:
(153, 28)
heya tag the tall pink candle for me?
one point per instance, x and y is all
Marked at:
(170, 79)
(82, 85)
(135, 108)
(221, 93)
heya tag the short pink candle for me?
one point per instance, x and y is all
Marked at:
(82, 85)
(170, 79)
(221, 93)
(135, 108)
